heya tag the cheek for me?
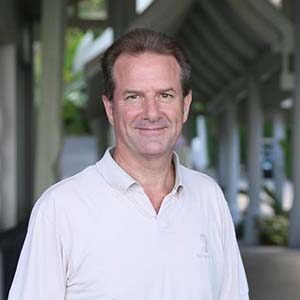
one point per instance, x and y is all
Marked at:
(126, 115)
(175, 114)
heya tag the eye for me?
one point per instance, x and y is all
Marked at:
(166, 96)
(132, 97)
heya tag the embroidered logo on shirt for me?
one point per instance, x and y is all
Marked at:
(203, 248)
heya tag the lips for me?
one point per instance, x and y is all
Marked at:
(151, 130)
(158, 128)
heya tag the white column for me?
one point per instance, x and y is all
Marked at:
(222, 149)
(254, 149)
(278, 137)
(202, 136)
(49, 110)
(233, 161)
(8, 137)
(294, 237)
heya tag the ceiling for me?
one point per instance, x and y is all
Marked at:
(226, 41)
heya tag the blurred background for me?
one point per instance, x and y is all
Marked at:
(244, 127)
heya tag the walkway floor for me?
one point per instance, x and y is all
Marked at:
(273, 273)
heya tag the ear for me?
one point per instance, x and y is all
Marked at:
(108, 105)
(186, 105)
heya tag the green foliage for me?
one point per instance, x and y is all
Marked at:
(197, 107)
(268, 129)
(74, 116)
(89, 7)
(72, 39)
(274, 230)
(37, 62)
(275, 203)
(287, 149)
(75, 119)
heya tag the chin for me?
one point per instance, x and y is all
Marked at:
(155, 150)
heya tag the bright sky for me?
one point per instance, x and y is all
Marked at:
(141, 5)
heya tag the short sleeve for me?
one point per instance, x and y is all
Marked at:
(234, 284)
(41, 270)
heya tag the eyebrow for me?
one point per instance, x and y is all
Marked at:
(167, 90)
(132, 92)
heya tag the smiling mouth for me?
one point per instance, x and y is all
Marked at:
(147, 128)
(151, 130)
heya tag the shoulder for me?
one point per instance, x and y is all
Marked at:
(198, 180)
(206, 192)
(68, 193)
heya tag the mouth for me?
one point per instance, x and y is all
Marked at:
(151, 130)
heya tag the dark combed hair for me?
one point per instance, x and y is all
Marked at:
(140, 41)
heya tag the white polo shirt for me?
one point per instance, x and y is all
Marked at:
(96, 236)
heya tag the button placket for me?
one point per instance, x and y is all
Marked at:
(163, 224)
(141, 202)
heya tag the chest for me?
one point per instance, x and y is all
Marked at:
(130, 256)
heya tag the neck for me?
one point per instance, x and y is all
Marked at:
(147, 171)
(155, 175)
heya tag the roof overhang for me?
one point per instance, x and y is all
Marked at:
(226, 42)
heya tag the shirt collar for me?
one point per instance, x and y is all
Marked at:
(118, 178)
(113, 173)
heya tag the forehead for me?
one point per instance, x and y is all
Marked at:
(146, 67)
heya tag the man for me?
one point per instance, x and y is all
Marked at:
(137, 225)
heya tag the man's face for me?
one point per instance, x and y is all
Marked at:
(148, 108)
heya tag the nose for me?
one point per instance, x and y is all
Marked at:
(151, 109)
